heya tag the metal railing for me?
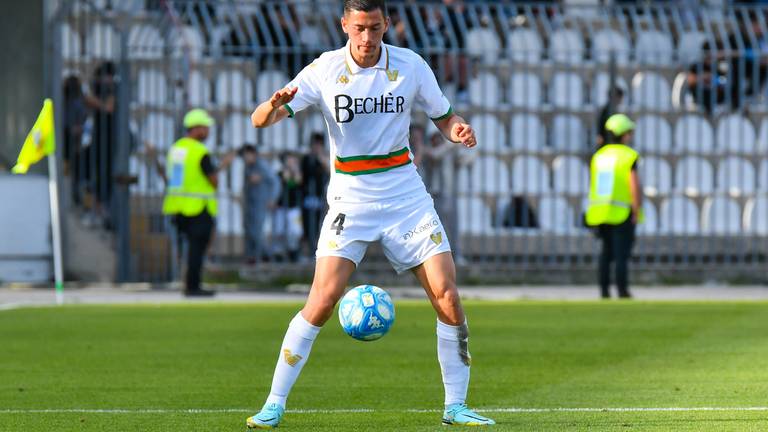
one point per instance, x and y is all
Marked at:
(533, 79)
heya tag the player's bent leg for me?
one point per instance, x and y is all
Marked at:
(438, 277)
(331, 276)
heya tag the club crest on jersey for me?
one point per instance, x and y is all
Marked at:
(392, 74)
(291, 359)
(342, 79)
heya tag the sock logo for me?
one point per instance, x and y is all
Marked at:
(291, 359)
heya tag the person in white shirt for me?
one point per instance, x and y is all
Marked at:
(366, 91)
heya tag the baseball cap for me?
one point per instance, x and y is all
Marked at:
(197, 117)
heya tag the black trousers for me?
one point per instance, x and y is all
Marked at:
(198, 231)
(617, 248)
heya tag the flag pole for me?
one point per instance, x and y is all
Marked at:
(53, 191)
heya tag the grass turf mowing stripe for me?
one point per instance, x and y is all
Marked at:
(370, 410)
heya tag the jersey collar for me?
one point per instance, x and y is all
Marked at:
(353, 67)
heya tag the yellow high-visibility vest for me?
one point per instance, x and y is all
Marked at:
(189, 191)
(610, 197)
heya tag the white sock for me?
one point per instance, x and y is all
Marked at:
(453, 354)
(292, 356)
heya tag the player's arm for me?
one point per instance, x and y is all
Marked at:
(272, 111)
(457, 130)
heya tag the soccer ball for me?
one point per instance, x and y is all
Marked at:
(366, 312)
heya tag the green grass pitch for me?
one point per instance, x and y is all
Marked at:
(661, 365)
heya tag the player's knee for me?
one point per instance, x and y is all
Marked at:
(449, 299)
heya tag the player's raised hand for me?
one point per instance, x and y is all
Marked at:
(463, 133)
(283, 96)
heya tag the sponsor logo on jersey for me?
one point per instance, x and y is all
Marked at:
(343, 79)
(348, 107)
(421, 229)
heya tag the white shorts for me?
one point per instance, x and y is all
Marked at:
(409, 230)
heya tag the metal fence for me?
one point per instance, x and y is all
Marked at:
(533, 79)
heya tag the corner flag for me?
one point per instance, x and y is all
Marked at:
(40, 142)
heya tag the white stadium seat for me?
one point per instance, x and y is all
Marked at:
(568, 134)
(280, 136)
(721, 215)
(230, 217)
(268, 82)
(527, 133)
(609, 44)
(199, 89)
(524, 90)
(762, 138)
(678, 215)
(756, 215)
(102, 41)
(491, 133)
(651, 91)
(524, 46)
(650, 224)
(489, 175)
(159, 130)
(694, 176)
(567, 91)
(735, 134)
(149, 180)
(234, 89)
(529, 175)
(570, 175)
(735, 176)
(693, 134)
(555, 215)
(653, 48)
(474, 216)
(566, 46)
(70, 42)
(484, 90)
(186, 42)
(236, 174)
(655, 176)
(762, 175)
(152, 87)
(600, 86)
(145, 42)
(314, 123)
(689, 47)
(483, 43)
(653, 134)
(236, 131)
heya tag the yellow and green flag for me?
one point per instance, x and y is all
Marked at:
(40, 142)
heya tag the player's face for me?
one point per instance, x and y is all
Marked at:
(365, 31)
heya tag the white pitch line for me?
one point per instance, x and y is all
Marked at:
(367, 410)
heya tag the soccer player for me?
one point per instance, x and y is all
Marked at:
(366, 91)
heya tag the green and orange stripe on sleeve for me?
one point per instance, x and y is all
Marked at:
(360, 165)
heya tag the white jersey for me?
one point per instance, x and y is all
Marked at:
(368, 113)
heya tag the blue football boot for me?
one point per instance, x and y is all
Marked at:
(460, 415)
(268, 418)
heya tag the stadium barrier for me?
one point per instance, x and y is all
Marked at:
(532, 78)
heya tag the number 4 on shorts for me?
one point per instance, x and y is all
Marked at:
(338, 223)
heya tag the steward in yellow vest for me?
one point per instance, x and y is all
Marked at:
(615, 202)
(190, 196)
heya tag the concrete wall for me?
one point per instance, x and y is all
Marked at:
(21, 77)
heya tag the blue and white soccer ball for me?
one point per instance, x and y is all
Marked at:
(366, 312)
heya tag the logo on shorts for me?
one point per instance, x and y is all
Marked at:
(332, 245)
(437, 237)
(420, 229)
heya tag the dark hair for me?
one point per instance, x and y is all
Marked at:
(616, 91)
(246, 148)
(73, 89)
(365, 6)
(317, 137)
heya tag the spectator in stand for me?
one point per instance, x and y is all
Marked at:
(75, 116)
(315, 170)
(286, 223)
(456, 64)
(260, 192)
(615, 97)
